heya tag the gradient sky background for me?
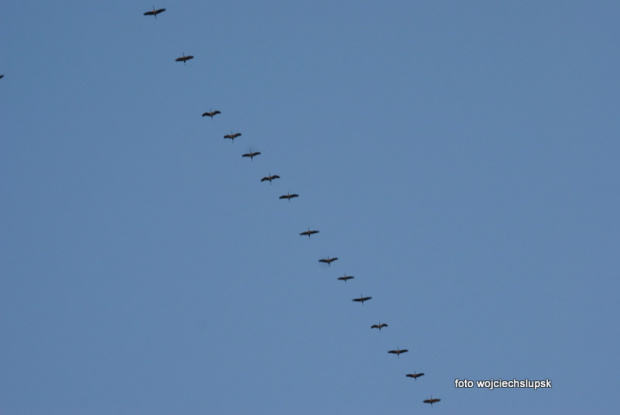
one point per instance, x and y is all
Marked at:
(460, 158)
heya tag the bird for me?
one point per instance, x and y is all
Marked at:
(398, 351)
(378, 326)
(210, 113)
(1, 76)
(346, 277)
(251, 154)
(154, 12)
(270, 177)
(328, 260)
(184, 58)
(414, 375)
(361, 299)
(431, 400)
(232, 136)
(308, 232)
(289, 196)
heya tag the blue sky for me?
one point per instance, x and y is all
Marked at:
(459, 158)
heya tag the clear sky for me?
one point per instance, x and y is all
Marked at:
(460, 158)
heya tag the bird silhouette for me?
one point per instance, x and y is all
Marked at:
(414, 375)
(154, 12)
(270, 177)
(362, 299)
(398, 351)
(431, 400)
(328, 260)
(289, 196)
(378, 326)
(345, 278)
(211, 113)
(184, 58)
(232, 136)
(308, 232)
(251, 154)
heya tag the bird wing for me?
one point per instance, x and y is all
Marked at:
(275, 176)
(149, 13)
(160, 11)
(264, 179)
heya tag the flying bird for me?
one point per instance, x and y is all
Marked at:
(270, 178)
(232, 136)
(398, 351)
(289, 196)
(346, 277)
(378, 326)
(1, 76)
(308, 232)
(184, 58)
(414, 375)
(431, 400)
(210, 113)
(154, 12)
(251, 155)
(361, 299)
(328, 260)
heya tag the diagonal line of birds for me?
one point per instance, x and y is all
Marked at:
(288, 196)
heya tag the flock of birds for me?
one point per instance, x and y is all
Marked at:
(185, 58)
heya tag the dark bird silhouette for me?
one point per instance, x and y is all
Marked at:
(328, 260)
(414, 375)
(308, 232)
(154, 12)
(398, 351)
(346, 277)
(431, 400)
(232, 136)
(270, 178)
(210, 113)
(289, 196)
(251, 154)
(378, 326)
(184, 58)
(1, 76)
(361, 299)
